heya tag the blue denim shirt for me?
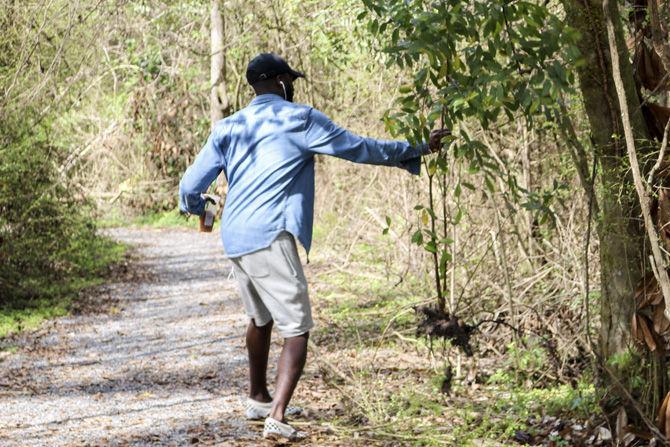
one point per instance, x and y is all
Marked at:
(266, 151)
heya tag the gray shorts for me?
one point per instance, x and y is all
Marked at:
(273, 287)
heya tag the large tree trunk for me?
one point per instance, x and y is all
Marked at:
(620, 234)
(219, 103)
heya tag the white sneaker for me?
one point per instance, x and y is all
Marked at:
(278, 431)
(255, 410)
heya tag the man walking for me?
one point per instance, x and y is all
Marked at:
(266, 152)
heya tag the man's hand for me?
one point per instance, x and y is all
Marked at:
(211, 198)
(435, 142)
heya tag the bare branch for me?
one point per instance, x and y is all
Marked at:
(661, 156)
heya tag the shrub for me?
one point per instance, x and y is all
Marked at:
(46, 232)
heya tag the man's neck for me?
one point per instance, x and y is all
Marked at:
(270, 92)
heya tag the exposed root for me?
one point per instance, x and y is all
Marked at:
(435, 323)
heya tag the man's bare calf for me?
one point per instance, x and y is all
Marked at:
(291, 364)
(258, 347)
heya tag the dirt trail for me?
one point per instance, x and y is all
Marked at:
(165, 367)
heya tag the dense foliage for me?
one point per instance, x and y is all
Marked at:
(46, 229)
(478, 68)
(482, 66)
(48, 240)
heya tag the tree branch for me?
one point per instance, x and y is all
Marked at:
(578, 155)
(661, 156)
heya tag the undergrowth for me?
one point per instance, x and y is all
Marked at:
(54, 299)
(393, 387)
(49, 244)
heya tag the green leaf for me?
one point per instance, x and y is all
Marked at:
(489, 184)
(459, 216)
(432, 168)
(425, 216)
(444, 259)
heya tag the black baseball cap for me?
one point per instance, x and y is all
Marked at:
(267, 66)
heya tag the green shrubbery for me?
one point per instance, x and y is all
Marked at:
(48, 241)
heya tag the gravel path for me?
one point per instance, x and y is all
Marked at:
(165, 366)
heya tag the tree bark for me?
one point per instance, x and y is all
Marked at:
(620, 235)
(219, 103)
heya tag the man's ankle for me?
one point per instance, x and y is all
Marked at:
(277, 415)
(263, 396)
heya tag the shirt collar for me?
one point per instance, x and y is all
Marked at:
(265, 97)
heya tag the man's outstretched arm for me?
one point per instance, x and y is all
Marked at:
(196, 180)
(324, 137)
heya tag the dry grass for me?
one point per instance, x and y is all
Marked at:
(371, 380)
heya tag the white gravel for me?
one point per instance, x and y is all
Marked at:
(167, 366)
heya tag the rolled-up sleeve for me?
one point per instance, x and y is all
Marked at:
(199, 176)
(324, 137)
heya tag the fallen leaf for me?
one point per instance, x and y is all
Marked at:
(627, 439)
(661, 415)
(646, 333)
(604, 434)
(661, 323)
(621, 423)
(650, 69)
(647, 292)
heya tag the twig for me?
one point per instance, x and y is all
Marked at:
(329, 366)
(661, 156)
(471, 277)
(386, 328)
(650, 425)
(577, 153)
(501, 254)
(501, 322)
(587, 242)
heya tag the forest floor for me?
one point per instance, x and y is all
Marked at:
(156, 357)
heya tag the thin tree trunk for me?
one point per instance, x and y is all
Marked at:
(659, 261)
(621, 238)
(219, 103)
(527, 179)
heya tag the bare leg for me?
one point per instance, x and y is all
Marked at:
(291, 363)
(258, 347)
